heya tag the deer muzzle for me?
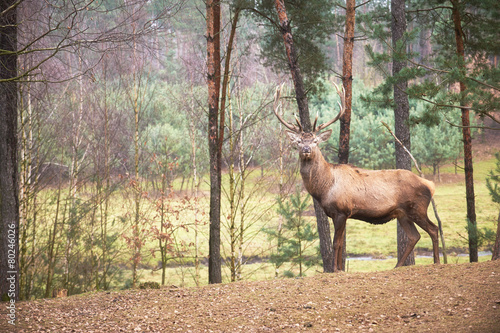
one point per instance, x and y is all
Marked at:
(306, 151)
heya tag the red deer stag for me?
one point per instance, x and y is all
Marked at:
(374, 196)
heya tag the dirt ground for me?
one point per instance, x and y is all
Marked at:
(436, 298)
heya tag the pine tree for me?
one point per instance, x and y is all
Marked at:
(292, 57)
(459, 74)
(312, 25)
(430, 149)
(493, 185)
(296, 236)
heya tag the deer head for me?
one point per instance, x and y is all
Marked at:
(307, 142)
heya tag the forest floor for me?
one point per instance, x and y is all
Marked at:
(437, 298)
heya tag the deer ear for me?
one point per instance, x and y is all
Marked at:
(323, 136)
(294, 137)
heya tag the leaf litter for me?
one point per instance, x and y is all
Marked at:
(436, 298)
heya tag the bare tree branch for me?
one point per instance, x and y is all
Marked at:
(362, 4)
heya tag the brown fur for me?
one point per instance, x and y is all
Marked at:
(374, 196)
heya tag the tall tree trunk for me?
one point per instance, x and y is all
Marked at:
(52, 250)
(9, 200)
(425, 45)
(162, 246)
(401, 108)
(194, 185)
(282, 193)
(232, 196)
(137, 189)
(345, 120)
(496, 248)
(242, 199)
(25, 185)
(226, 95)
(325, 241)
(300, 94)
(107, 175)
(213, 80)
(27, 189)
(469, 174)
(216, 118)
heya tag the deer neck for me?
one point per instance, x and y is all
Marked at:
(316, 175)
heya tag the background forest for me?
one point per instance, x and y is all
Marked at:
(112, 134)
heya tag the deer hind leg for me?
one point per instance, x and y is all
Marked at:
(338, 241)
(413, 238)
(433, 232)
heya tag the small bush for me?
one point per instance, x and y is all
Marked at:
(149, 285)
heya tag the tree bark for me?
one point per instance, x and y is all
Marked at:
(300, 94)
(496, 248)
(401, 108)
(107, 175)
(325, 238)
(469, 178)
(213, 81)
(194, 186)
(225, 81)
(137, 193)
(9, 200)
(325, 242)
(345, 120)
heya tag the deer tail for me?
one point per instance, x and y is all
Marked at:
(430, 185)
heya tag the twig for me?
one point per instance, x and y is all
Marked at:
(406, 150)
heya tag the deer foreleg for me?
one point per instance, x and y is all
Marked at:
(338, 241)
(413, 237)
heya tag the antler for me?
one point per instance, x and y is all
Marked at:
(341, 93)
(277, 105)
